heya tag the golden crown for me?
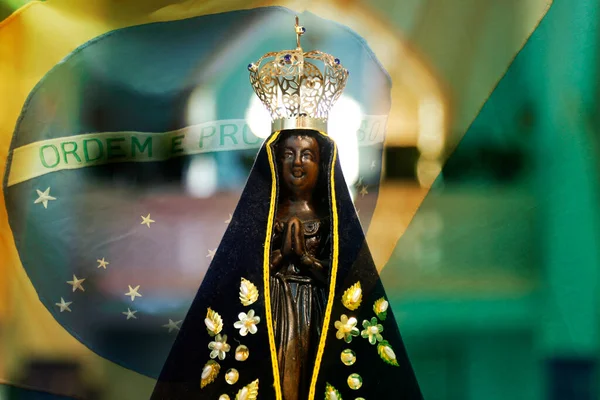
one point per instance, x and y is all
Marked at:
(298, 94)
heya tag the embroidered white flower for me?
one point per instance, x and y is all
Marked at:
(219, 347)
(247, 323)
(346, 328)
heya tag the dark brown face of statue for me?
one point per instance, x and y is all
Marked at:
(299, 158)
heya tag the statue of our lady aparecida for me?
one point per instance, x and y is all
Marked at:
(292, 307)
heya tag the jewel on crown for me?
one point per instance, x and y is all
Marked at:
(297, 93)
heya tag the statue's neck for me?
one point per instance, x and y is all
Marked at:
(300, 207)
(297, 203)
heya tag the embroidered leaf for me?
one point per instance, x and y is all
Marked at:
(209, 373)
(332, 393)
(386, 353)
(213, 322)
(248, 292)
(352, 297)
(380, 308)
(248, 392)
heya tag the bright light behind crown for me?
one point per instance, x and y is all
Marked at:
(344, 121)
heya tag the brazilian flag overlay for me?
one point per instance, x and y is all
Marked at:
(510, 227)
(117, 202)
(115, 226)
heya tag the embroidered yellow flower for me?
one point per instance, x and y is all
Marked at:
(372, 331)
(219, 347)
(346, 328)
(247, 323)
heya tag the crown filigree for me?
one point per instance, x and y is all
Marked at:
(297, 93)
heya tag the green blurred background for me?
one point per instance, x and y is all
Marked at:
(500, 264)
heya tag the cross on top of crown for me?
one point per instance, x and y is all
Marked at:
(299, 32)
